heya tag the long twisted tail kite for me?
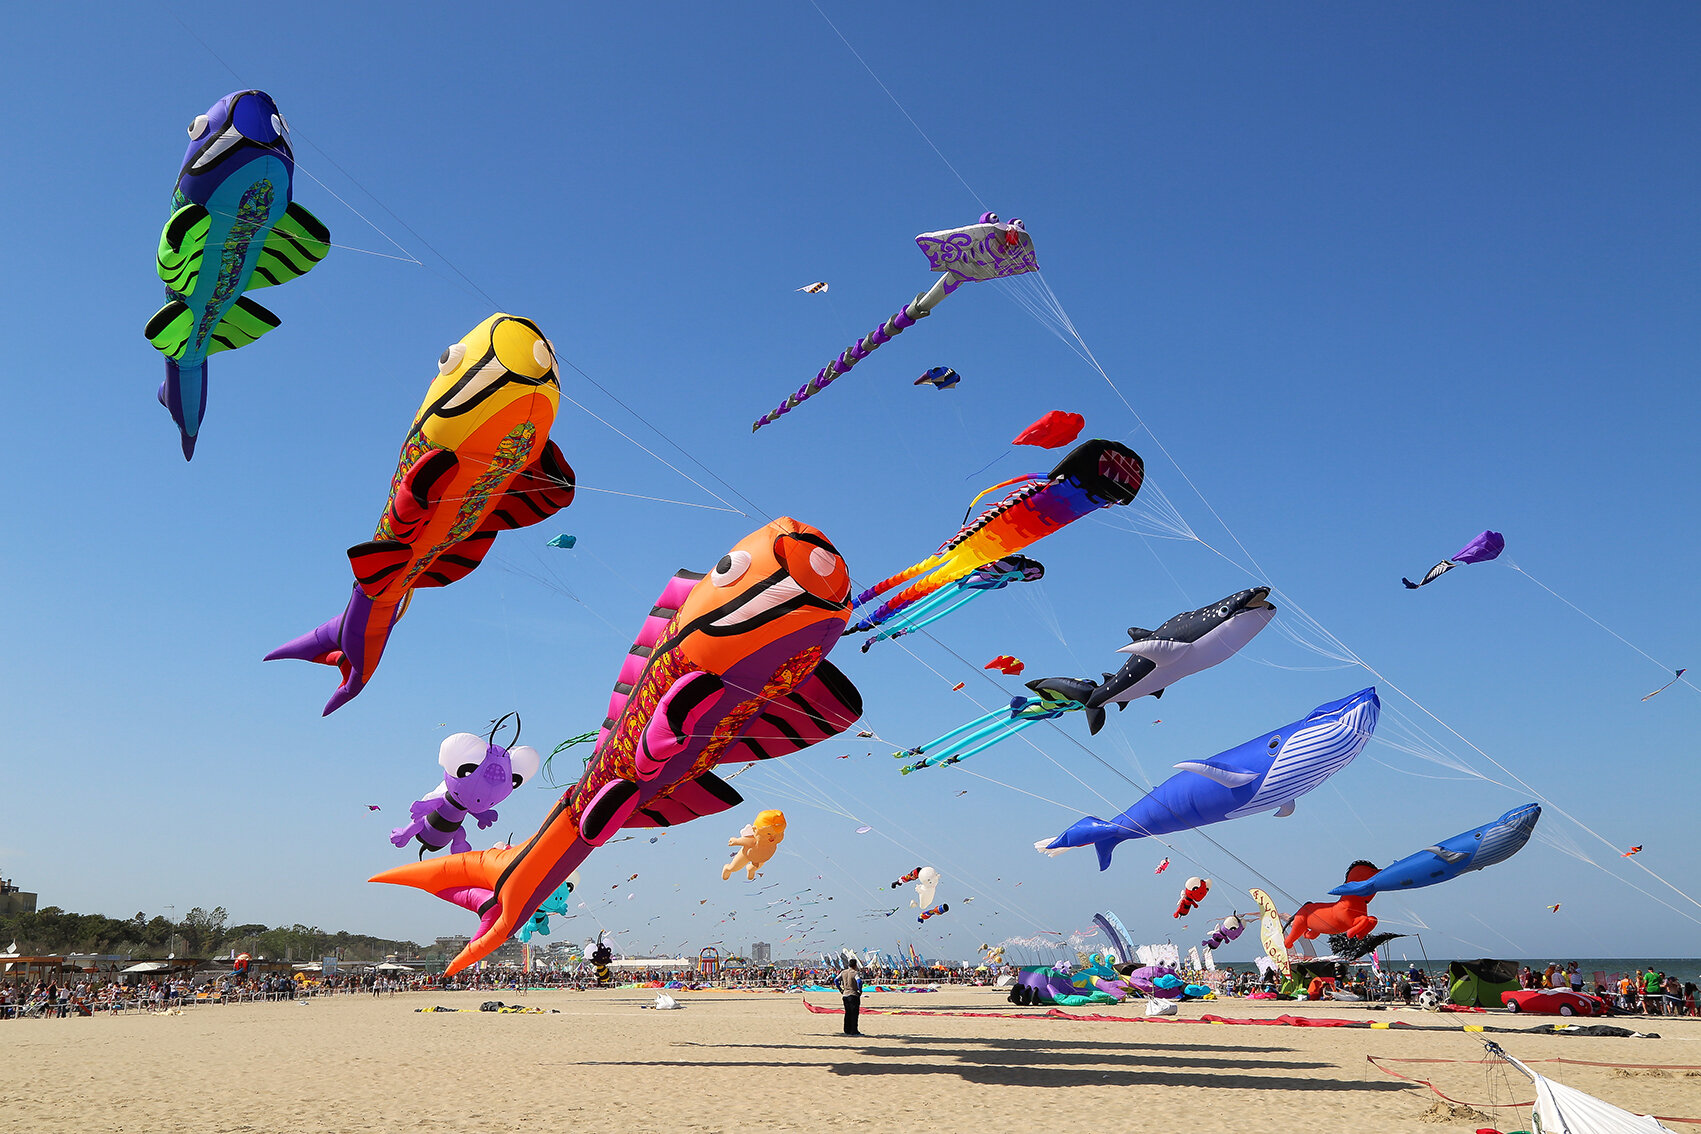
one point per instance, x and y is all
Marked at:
(1095, 474)
(989, 249)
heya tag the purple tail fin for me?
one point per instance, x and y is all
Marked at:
(340, 642)
(184, 395)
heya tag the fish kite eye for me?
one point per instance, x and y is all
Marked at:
(198, 127)
(465, 770)
(730, 569)
(822, 562)
(541, 352)
(451, 358)
(279, 125)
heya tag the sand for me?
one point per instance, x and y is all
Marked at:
(761, 1062)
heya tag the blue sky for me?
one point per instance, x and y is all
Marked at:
(1376, 278)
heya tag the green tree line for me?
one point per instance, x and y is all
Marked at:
(201, 933)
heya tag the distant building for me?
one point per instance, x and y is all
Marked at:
(761, 953)
(14, 900)
(450, 944)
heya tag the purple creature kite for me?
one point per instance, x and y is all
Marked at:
(1484, 547)
(989, 249)
(479, 774)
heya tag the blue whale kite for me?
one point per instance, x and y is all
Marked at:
(233, 228)
(1264, 774)
(1471, 850)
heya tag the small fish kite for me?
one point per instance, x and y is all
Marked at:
(1005, 664)
(1052, 431)
(1631, 853)
(1493, 842)
(815, 288)
(1555, 907)
(940, 378)
(232, 198)
(565, 541)
(1096, 474)
(989, 249)
(1483, 548)
(1678, 676)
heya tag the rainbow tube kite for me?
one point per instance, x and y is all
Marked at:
(1096, 474)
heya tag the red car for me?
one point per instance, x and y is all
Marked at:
(1554, 1002)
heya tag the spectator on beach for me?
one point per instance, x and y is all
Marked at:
(1575, 976)
(850, 987)
(1651, 993)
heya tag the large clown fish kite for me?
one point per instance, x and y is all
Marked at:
(729, 667)
(1096, 474)
(989, 249)
(233, 228)
(478, 460)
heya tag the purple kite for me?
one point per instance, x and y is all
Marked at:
(989, 249)
(1484, 547)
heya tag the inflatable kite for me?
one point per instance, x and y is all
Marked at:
(940, 378)
(477, 461)
(986, 250)
(1183, 646)
(982, 580)
(1349, 916)
(926, 883)
(935, 911)
(1052, 431)
(556, 903)
(563, 541)
(478, 774)
(756, 844)
(1097, 474)
(1192, 893)
(1483, 548)
(1228, 930)
(1054, 696)
(815, 288)
(1470, 850)
(1007, 665)
(1161, 867)
(729, 667)
(1631, 853)
(1264, 774)
(233, 196)
(910, 877)
(239, 965)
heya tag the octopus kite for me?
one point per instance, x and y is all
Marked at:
(729, 667)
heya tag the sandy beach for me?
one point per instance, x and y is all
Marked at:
(753, 1061)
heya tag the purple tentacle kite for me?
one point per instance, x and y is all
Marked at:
(989, 249)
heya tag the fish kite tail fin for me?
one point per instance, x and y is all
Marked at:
(184, 395)
(1095, 719)
(347, 642)
(471, 881)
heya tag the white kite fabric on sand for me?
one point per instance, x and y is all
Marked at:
(1566, 1110)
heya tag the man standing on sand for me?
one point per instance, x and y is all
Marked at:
(850, 987)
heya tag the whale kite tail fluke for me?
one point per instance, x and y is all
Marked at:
(1093, 831)
(181, 381)
(1410, 586)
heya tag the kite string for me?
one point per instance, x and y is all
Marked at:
(1512, 563)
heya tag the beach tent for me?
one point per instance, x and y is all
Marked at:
(1480, 983)
(1566, 1110)
(392, 967)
